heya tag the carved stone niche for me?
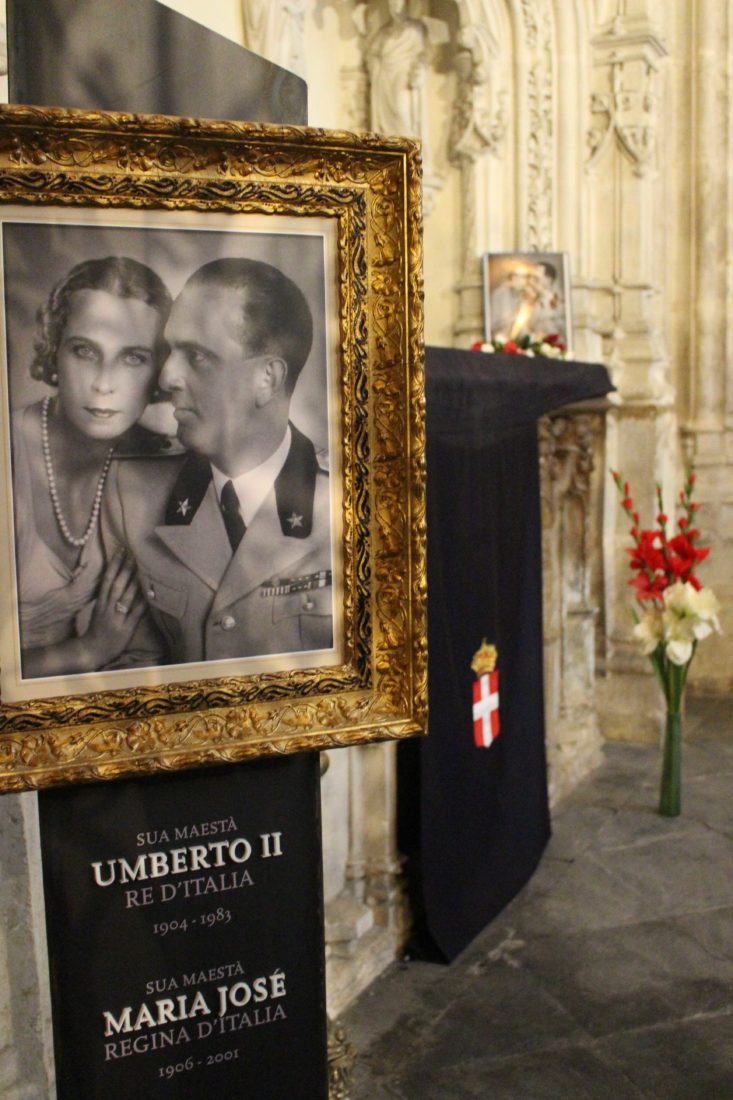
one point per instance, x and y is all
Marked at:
(367, 920)
(569, 440)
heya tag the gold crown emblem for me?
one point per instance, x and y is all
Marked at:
(484, 659)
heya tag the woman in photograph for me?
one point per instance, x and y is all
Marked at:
(99, 345)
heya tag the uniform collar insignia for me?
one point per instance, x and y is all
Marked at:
(295, 487)
(188, 491)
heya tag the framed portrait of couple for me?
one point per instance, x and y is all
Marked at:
(527, 294)
(212, 443)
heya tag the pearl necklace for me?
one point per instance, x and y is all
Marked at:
(51, 478)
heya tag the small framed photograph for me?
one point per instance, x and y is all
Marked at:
(211, 443)
(527, 294)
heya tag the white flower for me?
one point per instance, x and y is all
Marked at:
(678, 599)
(706, 606)
(689, 616)
(678, 652)
(648, 631)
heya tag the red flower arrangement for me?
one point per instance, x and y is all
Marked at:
(678, 612)
(657, 560)
(546, 347)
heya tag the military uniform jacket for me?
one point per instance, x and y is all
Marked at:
(272, 595)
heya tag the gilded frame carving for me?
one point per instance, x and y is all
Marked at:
(371, 186)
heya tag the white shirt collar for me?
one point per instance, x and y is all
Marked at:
(253, 486)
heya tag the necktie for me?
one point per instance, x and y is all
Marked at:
(233, 521)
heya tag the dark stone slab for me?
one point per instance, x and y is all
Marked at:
(686, 1061)
(564, 1073)
(609, 977)
(683, 873)
(495, 1012)
(141, 56)
(633, 976)
(504, 1013)
(713, 930)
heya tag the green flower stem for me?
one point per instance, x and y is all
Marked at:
(672, 679)
(670, 795)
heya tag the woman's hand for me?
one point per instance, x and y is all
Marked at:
(118, 609)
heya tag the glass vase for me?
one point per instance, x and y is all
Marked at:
(670, 794)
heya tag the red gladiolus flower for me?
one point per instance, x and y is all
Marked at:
(648, 588)
(646, 556)
(656, 561)
(476, 346)
(511, 347)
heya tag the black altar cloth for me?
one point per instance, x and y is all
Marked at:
(474, 821)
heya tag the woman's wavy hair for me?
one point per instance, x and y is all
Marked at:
(118, 275)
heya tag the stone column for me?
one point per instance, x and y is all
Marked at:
(625, 206)
(26, 1044)
(709, 426)
(366, 922)
(275, 29)
(478, 127)
(568, 441)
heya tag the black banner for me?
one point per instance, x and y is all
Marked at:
(185, 931)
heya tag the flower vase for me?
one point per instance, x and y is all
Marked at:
(670, 794)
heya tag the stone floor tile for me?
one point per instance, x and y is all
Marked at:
(626, 770)
(575, 831)
(401, 993)
(562, 1074)
(682, 874)
(708, 708)
(504, 1012)
(588, 893)
(639, 824)
(499, 1012)
(633, 976)
(692, 1060)
(713, 930)
(609, 977)
(708, 799)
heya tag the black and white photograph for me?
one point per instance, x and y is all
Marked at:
(170, 411)
(527, 294)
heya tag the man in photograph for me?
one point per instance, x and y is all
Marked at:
(232, 541)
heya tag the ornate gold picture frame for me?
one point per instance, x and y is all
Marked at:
(335, 219)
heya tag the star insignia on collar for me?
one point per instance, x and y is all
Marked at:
(184, 507)
(295, 521)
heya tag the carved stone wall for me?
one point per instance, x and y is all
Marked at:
(600, 127)
(571, 443)
(706, 343)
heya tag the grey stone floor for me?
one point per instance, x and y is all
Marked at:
(610, 977)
